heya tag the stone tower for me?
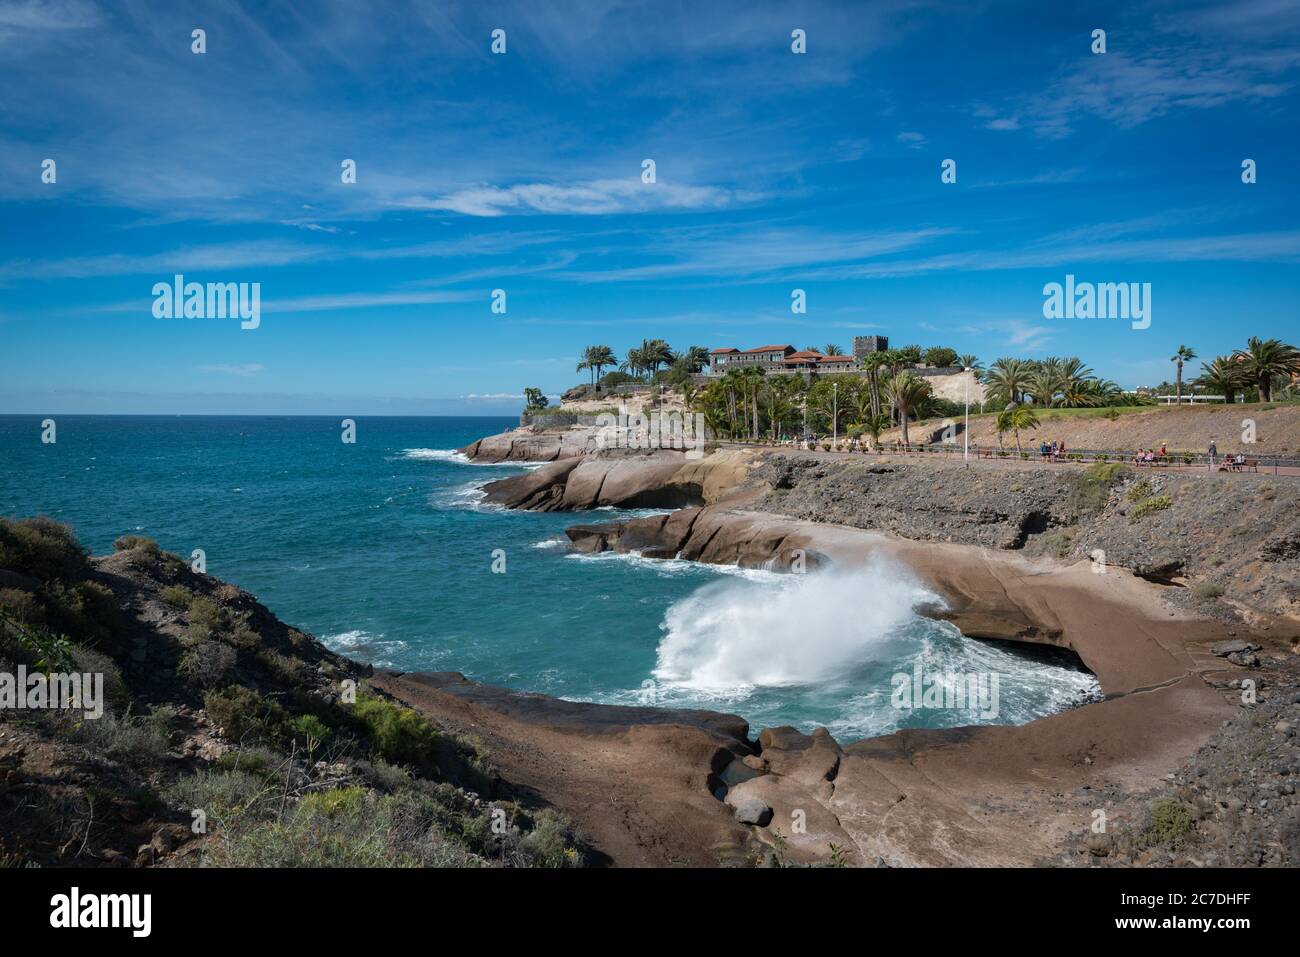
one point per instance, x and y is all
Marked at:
(865, 345)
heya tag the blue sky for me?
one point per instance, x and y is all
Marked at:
(522, 172)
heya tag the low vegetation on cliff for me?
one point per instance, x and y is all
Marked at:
(227, 738)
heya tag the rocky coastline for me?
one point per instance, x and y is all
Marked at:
(1017, 555)
(1189, 758)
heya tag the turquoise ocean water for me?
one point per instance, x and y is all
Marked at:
(383, 550)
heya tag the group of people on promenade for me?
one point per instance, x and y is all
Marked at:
(1151, 456)
(1230, 463)
(1051, 451)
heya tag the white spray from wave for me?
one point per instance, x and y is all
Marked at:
(457, 457)
(437, 455)
(798, 629)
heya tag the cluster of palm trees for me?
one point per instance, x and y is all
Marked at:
(1267, 365)
(1054, 382)
(747, 403)
(643, 361)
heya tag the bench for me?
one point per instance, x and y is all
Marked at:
(1230, 465)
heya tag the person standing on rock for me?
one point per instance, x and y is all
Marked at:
(1214, 450)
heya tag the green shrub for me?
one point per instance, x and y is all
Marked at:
(1105, 472)
(289, 670)
(88, 660)
(551, 842)
(224, 794)
(398, 734)
(178, 596)
(1139, 491)
(130, 542)
(244, 637)
(35, 645)
(87, 611)
(310, 732)
(207, 663)
(1207, 591)
(1168, 822)
(22, 605)
(141, 740)
(42, 548)
(206, 619)
(243, 713)
(1090, 490)
(342, 827)
(1156, 504)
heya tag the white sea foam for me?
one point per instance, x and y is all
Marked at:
(457, 457)
(679, 566)
(438, 455)
(469, 497)
(792, 630)
(361, 644)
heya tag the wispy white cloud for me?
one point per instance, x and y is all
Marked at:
(1274, 247)
(37, 16)
(1129, 89)
(740, 253)
(245, 371)
(365, 300)
(598, 197)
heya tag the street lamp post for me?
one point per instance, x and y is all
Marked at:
(835, 414)
(965, 434)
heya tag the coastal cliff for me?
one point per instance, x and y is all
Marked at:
(223, 737)
(1169, 593)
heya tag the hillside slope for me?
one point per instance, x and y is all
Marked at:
(1182, 428)
(228, 738)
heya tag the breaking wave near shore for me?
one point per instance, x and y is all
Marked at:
(837, 646)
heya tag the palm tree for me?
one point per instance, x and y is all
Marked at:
(909, 355)
(872, 362)
(874, 424)
(969, 361)
(780, 391)
(695, 358)
(733, 381)
(751, 378)
(906, 391)
(1223, 374)
(830, 349)
(655, 353)
(1014, 418)
(1043, 385)
(1263, 360)
(1090, 392)
(534, 398)
(596, 358)
(1008, 379)
(634, 363)
(1183, 354)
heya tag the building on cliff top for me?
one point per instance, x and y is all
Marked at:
(787, 359)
